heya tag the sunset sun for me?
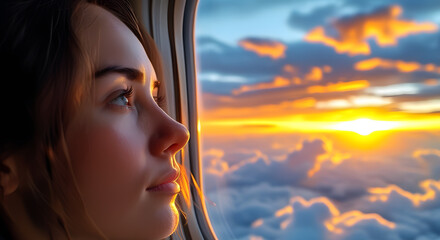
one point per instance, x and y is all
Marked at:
(364, 126)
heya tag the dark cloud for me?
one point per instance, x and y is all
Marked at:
(252, 168)
(351, 179)
(220, 88)
(307, 21)
(234, 60)
(289, 172)
(418, 48)
(430, 159)
(412, 9)
(260, 41)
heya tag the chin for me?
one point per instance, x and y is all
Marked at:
(170, 220)
(174, 219)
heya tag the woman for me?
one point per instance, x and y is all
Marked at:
(86, 152)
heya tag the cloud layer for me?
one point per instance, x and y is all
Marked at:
(346, 197)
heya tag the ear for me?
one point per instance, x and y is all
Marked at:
(8, 176)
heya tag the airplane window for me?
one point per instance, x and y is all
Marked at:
(320, 119)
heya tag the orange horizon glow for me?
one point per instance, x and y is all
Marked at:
(268, 126)
(365, 126)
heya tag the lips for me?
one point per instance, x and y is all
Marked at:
(168, 184)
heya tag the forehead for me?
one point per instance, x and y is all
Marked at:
(108, 41)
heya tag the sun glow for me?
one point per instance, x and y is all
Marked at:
(365, 126)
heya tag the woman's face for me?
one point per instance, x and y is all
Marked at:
(122, 144)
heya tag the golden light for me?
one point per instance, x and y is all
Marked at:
(365, 126)
(273, 49)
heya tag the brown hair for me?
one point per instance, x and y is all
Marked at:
(42, 63)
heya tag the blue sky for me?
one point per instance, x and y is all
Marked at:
(277, 76)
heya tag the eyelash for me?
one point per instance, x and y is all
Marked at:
(128, 93)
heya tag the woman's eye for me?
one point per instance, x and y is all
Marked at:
(123, 99)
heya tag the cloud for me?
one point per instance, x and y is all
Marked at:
(216, 165)
(431, 82)
(428, 106)
(311, 161)
(343, 175)
(366, 101)
(395, 89)
(264, 47)
(430, 160)
(354, 102)
(307, 102)
(383, 25)
(343, 221)
(316, 73)
(233, 60)
(319, 218)
(401, 66)
(424, 9)
(215, 77)
(236, 210)
(257, 167)
(220, 165)
(331, 156)
(339, 87)
(278, 82)
(430, 187)
(309, 20)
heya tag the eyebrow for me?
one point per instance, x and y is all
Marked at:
(131, 73)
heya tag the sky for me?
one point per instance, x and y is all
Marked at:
(320, 119)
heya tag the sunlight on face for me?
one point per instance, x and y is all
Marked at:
(365, 126)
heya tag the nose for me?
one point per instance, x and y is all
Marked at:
(169, 135)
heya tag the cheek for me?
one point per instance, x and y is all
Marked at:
(110, 165)
(113, 167)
